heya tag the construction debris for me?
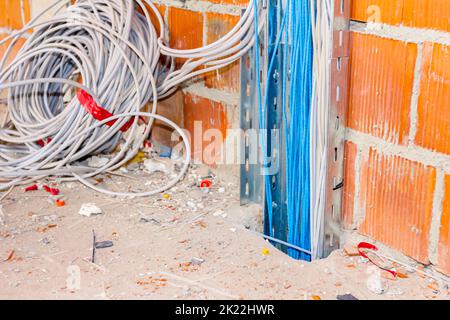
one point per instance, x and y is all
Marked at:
(158, 165)
(2, 216)
(89, 210)
(10, 256)
(375, 283)
(98, 162)
(347, 297)
(197, 261)
(104, 245)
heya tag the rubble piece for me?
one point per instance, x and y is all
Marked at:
(434, 287)
(218, 213)
(347, 297)
(98, 162)
(60, 203)
(191, 205)
(10, 256)
(376, 284)
(158, 165)
(89, 210)
(133, 167)
(104, 245)
(45, 241)
(197, 261)
(351, 250)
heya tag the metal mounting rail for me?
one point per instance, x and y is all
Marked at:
(252, 180)
(251, 188)
(337, 121)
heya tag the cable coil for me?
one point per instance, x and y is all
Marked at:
(112, 51)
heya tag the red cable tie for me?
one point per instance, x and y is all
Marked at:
(99, 113)
(32, 188)
(367, 246)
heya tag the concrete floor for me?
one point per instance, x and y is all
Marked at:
(193, 245)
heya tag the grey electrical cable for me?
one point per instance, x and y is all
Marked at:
(111, 50)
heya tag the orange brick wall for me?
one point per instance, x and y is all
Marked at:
(397, 188)
(11, 19)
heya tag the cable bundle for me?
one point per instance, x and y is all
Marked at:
(307, 27)
(322, 23)
(78, 85)
(298, 127)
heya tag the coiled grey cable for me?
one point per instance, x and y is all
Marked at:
(111, 50)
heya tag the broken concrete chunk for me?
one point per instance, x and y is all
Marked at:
(153, 165)
(197, 261)
(376, 284)
(89, 210)
(97, 162)
(218, 213)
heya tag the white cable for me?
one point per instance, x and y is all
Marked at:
(114, 50)
(322, 24)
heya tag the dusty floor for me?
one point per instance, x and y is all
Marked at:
(45, 251)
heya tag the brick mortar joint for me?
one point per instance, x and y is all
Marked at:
(365, 142)
(415, 95)
(401, 33)
(434, 233)
(216, 95)
(409, 152)
(358, 212)
(203, 6)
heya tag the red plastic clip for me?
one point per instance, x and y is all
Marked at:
(367, 246)
(98, 112)
(32, 188)
(54, 192)
(206, 184)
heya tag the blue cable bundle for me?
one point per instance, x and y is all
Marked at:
(297, 123)
(296, 29)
